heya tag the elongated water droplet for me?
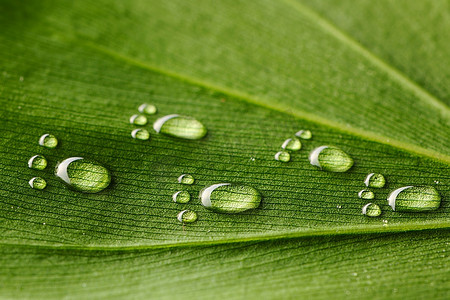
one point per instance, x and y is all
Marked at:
(283, 156)
(330, 158)
(414, 198)
(138, 120)
(48, 140)
(366, 194)
(186, 179)
(180, 126)
(230, 198)
(375, 180)
(304, 134)
(83, 175)
(292, 144)
(37, 183)
(187, 216)
(181, 197)
(140, 134)
(37, 162)
(148, 109)
(371, 210)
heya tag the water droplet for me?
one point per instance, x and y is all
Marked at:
(140, 134)
(371, 210)
(37, 183)
(181, 197)
(230, 198)
(48, 140)
(138, 120)
(283, 156)
(292, 144)
(366, 194)
(414, 198)
(187, 216)
(180, 126)
(83, 175)
(186, 179)
(375, 180)
(330, 158)
(37, 162)
(304, 134)
(148, 109)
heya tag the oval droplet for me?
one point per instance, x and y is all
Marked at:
(366, 194)
(48, 140)
(283, 156)
(148, 109)
(83, 175)
(138, 120)
(187, 216)
(181, 197)
(304, 134)
(186, 179)
(37, 162)
(330, 158)
(415, 198)
(37, 183)
(230, 198)
(371, 210)
(180, 126)
(375, 180)
(292, 144)
(140, 134)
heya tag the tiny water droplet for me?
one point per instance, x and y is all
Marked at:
(292, 144)
(330, 158)
(366, 194)
(48, 140)
(375, 180)
(436, 181)
(230, 198)
(37, 183)
(414, 198)
(180, 126)
(186, 179)
(304, 134)
(138, 120)
(148, 109)
(339, 206)
(181, 197)
(37, 162)
(140, 134)
(187, 216)
(83, 175)
(371, 210)
(283, 156)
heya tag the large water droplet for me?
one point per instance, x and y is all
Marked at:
(186, 179)
(330, 158)
(292, 144)
(230, 198)
(37, 162)
(304, 134)
(375, 180)
(138, 120)
(48, 140)
(371, 210)
(283, 156)
(180, 126)
(140, 134)
(148, 109)
(366, 194)
(38, 183)
(83, 175)
(414, 198)
(181, 197)
(187, 216)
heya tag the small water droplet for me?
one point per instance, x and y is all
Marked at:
(187, 216)
(292, 144)
(48, 140)
(83, 175)
(436, 181)
(375, 180)
(140, 134)
(148, 109)
(371, 210)
(181, 197)
(37, 162)
(138, 120)
(283, 156)
(366, 194)
(186, 179)
(330, 158)
(304, 134)
(180, 126)
(414, 198)
(21, 78)
(37, 183)
(339, 206)
(230, 198)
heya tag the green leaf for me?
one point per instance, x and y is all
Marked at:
(253, 73)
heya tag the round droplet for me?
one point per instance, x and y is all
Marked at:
(140, 134)
(83, 175)
(375, 180)
(148, 109)
(371, 210)
(230, 198)
(37, 183)
(180, 126)
(187, 216)
(414, 198)
(292, 144)
(186, 179)
(283, 156)
(138, 120)
(181, 197)
(304, 134)
(48, 140)
(330, 158)
(37, 162)
(366, 194)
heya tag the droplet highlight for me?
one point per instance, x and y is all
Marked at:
(414, 199)
(292, 144)
(375, 180)
(371, 210)
(330, 158)
(181, 197)
(366, 194)
(139, 120)
(140, 134)
(283, 156)
(180, 126)
(187, 216)
(148, 109)
(186, 179)
(304, 134)
(37, 183)
(48, 140)
(37, 162)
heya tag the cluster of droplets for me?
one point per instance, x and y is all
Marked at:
(372, 180)
(292, 144)
(183, 197)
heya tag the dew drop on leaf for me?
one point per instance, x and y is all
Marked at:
(37, 162)
(187, 216)
(371, 210)
(37, 183)
(48, 140)
(330, 158)
(366, 194)
(292, 144)
(140, 134)
(414, 198)
(148, 109)
(304, 134)
(186, 179)
(375, 180)
(283, 156)
(138, 120)
(180, 126)
(181, 197)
